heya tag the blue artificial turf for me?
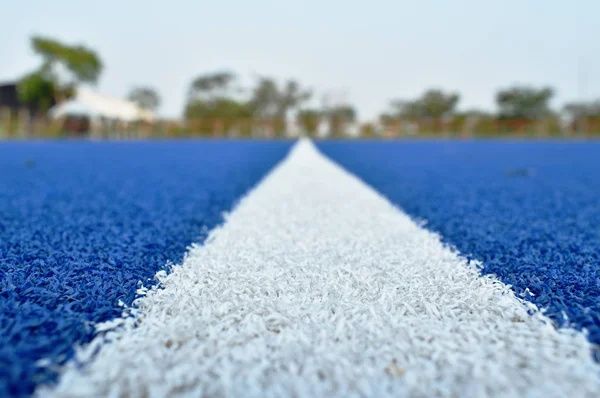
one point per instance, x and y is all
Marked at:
(530, 211)
(81, 223)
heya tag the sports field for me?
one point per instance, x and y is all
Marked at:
(227, 268)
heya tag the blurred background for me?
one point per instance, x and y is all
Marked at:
(266, 68)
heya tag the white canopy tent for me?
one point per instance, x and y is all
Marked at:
(96, 106)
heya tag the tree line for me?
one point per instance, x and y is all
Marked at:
(217, 103)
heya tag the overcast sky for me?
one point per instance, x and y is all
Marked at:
(368, 52)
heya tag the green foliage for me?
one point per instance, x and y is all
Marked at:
(309, 120)
(583, 109)
(45, 86)
(433, 104)
(212, 86)
(584, 117)
(272, 103)
(214, 105)
(220, 115)
(145, 97)
(82, 63)
(269, 101)
(524, 102)
(34, 88)
(436, 103)
(220, 108)
(265, 101)
(292, 96)
(368, 130)
(339, 117)
(474, 114)
(387, 118)
(217, 105)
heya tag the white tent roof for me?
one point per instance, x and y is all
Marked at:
(95, 105)
(73, 107)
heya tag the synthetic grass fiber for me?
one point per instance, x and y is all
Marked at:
(528, 211)
(82, 224)
(317, 286)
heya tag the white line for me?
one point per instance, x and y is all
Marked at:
(316, 286)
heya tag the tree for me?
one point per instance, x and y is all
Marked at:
(67, 64)
(407, 109)
(475, 113)
(212, 106)
(309, 120)
(265, 99)
(524, 102)
(474, 121)
(583, 115)
(221, 108)
(270, 102)
(578, 110)
(430, 111)
(63, 67)
(216, 116)
(339, 117)
(368, 130)
(35, 89)
(212, 86)
(145, 97)
(215, 96)
(437, 104)
(291, 97)
(433, 103)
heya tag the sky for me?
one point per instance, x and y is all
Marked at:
(366, 53)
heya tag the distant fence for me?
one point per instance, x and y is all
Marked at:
(20, 124)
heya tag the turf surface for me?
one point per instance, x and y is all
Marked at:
(82, 223)
(529, 211)
(317, 287)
